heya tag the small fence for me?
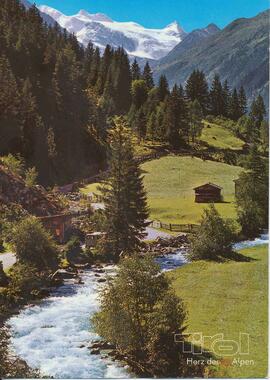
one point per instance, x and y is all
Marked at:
(187, 228)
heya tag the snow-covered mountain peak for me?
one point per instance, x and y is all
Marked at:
(174, 27)
(50, 11)
(101, 30)
(99, 17)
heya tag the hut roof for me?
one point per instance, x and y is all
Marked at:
(209, 184)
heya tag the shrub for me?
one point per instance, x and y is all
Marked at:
(14, 164)
(34, 245)
(25, 282)
(31, 177)
(214, 237)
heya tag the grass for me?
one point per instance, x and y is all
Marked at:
(219, 137)
(91, 188)
(169, 182)
(229, 298)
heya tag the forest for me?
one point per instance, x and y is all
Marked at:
(58, 99)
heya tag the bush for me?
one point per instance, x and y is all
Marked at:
(25, 282)
(34, 245)
(31, 177)
(140, 314)
(214, 237)
(14, 164)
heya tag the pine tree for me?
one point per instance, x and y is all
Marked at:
(103, 69)
(197, 88)
(135, 70)
(175, 117)
(123, 195)
(162, 88)
(161, 127)
(121, 75)
(195, 117)
(139, 123)
(252, 194)
(139, 93)
(216, 97)
(148, 76)
(257, 112)
(152, 126)
(29, 117)
(235, 111)
(227, 98)
(242, 101)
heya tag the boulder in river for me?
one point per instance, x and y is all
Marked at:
(63, 274)
(95, 351)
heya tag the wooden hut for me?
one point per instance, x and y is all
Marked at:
(58, 225)
(208, 193)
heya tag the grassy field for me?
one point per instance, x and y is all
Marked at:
(91, 188)
(170, 180)
(219, 137)
(229, 298)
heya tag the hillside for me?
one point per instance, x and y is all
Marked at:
(34, 200)
(238, 53)
(169, 182)
(220, 137)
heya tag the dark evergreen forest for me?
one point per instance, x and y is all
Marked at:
(57, 98)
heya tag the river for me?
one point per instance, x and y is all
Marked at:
(53, 335)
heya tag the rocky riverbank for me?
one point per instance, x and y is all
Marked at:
(167, 245)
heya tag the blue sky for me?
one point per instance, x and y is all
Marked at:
(190, 14)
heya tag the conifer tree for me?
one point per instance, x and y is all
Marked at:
(135, 70)
(197, 88)
(175, 117)
(123, 195)
(195, 120)
(29, 119)
(162, 88)
(226, 98)
(121, 75)
(139, 123)
(252, 194)
(103, 69)
(242, 101)
(152, 126)
(235, 111)
(148, 76)
(257, 112)
(217, 105)
(139, 93)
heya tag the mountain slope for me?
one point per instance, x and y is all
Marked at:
(238, 53)
(134, 38)
(189, 41)
(48, 19)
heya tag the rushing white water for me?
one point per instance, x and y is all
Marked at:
(263, 239)
(53, 336)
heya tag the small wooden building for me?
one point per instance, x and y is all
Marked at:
(58, 225)
(208, 193)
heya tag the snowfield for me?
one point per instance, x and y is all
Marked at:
(134, 38)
